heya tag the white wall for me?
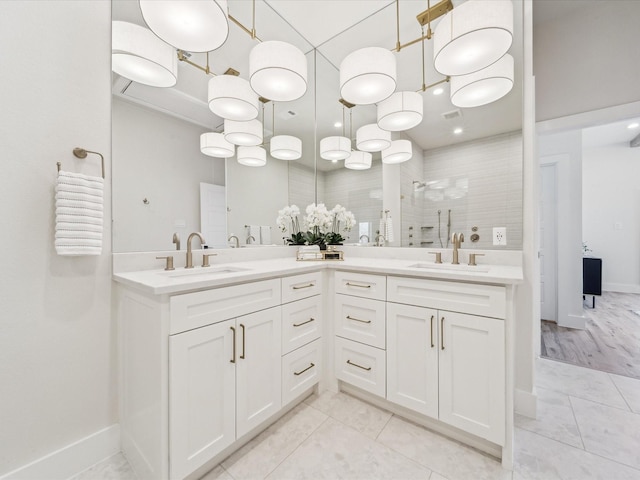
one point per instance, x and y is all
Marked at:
(611, 209)
(587, 60)
(157, 157)
(57, 339)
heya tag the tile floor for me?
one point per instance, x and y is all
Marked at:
(588, 427)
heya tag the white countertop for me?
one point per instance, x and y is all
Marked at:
(181, 280)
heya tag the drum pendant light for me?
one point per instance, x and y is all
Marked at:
(371, 138)
(286, 147)
(214, 145)
(472, 36)
(399, 151)
(358, 160)
(485, 86)
(252, 156)
(335, 148)
(137, 54)
(190, 25)
(401, 111)
(278, 71)
(231, 97)
(243, 133)
(368, 76)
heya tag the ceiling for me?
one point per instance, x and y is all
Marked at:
(335, 28)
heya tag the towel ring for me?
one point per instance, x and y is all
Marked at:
(82, 153)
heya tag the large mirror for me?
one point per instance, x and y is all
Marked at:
(162, 184)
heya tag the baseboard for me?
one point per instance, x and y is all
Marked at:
(526, 403)
(72, 459)
(620, 288)
(573, 321)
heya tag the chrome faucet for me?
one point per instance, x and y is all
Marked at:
(237, 240)
(456, 240)
(189, 254)
(250, 238)
(364, 236)
(378, 242)
(176, 240)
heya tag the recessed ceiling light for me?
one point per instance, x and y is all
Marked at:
(633, 125)
(438, 91)
(457, 131)
(337, 124)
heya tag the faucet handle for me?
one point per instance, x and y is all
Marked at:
(169, 265)
(205, 259)
(472, 258)
(438, 256)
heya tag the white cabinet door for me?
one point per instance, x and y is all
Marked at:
(201, 396)
(472, 374)
(412, 358)
(258, 368)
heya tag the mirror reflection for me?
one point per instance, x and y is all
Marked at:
(454, 181)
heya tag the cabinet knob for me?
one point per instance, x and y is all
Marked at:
(205, 259)
(169, 264)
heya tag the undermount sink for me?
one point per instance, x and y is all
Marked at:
(202, 272)
(451, 267)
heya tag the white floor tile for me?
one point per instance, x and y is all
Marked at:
(337, 451)
(264, 453)
(540, 458)
(437, 476)
(554, 419)
(630, 390)
(440, 454)
(363, 417)
(609, 432)
(217, 473)
(112, 468)
(579, 382)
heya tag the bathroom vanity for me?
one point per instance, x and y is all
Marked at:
(211, 357)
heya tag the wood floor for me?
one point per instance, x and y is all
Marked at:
(610, 342)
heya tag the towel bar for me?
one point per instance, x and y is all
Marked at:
(82, 153)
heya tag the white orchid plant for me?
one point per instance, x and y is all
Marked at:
(322, 226)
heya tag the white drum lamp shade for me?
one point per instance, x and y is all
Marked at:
(286, 147)
(252, 156)
(335, 148)
(485, 86)
(232, 97)
(399, 151)
(243, 133)
(371, 138)
(190, 25)
(358, 160)
(401, 111)
(214, 145)
(368, 76)
(137, 54)
(473, 36)
(278, 71)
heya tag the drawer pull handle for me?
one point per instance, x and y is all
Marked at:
(243, 346)
(359, 366)
(357, 285)
(302, 371)
(349, 317)
(304, 323)
(233, 358)
(303, 286)
(442, 333)
(431, 331)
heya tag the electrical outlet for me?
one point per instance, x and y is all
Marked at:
(499, 236)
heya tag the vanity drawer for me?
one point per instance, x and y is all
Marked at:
(193, 310)
(300, 370)
(301, 286)
(301, 323)
(483, 300)
(361, 365)
(361, 285)
(360, 319)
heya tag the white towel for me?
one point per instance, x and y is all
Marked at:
(388, 229)
(265, 235)
(254, 231)
(382, 229)
(79, 214)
